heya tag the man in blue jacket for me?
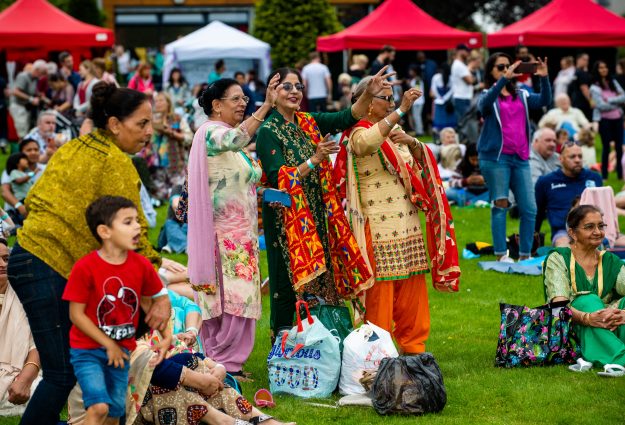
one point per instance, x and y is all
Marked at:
(556, 191)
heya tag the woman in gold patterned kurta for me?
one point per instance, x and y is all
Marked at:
(386, 222)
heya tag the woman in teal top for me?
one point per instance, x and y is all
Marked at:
(594, 282)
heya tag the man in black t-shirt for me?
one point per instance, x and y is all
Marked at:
(579, 89)
(385, 57)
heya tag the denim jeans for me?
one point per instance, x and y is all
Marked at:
(461, 106)
(463, 197)
(40, 289)
(99, 382)
(510, 173)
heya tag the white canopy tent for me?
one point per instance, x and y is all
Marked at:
(196, 53)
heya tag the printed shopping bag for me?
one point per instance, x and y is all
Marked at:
(305, 361)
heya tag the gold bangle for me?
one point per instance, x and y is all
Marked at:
(34, 364)
(256, 118)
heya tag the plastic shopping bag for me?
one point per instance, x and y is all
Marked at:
(363, 350)
(306, 360)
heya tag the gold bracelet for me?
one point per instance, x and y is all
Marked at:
(387, 122)
(34, 364)
(256, 118)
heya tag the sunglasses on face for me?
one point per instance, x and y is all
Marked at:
(389, 98)
(237, 99)
(289, 86)
(502, 67)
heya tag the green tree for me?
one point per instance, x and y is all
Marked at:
(62, 4)
(507, 12)
(85, 11)
(291, 27)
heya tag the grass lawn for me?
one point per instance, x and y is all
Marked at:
(463, 339)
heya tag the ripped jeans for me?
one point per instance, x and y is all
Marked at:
(510, 173)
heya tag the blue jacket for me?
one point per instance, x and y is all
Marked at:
(490, 143)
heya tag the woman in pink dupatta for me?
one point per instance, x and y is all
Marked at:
(223, 223)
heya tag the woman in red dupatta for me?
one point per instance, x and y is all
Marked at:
(388, 177)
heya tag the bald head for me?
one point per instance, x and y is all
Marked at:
(563, 101)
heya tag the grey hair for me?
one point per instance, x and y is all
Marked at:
(360, 88)
(45, 113)
(539, 133)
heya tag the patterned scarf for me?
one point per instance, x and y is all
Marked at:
(426, 194)
(352, 275)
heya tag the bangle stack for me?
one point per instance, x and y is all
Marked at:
(256, 118)
(310, 164)
(193, 330)
(387, 122)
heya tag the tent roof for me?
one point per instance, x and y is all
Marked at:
(564, 23)
(402, 24)
(36, 24)
(218, 39)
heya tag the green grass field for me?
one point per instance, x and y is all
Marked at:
(463, 339)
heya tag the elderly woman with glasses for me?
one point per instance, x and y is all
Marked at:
(594, 283)
(310, 249)
(223, 223)
(504, 147)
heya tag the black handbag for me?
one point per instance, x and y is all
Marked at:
(539, 336)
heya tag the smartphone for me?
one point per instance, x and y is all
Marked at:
(527, 68)
(274, 195)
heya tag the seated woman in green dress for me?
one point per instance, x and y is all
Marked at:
(594, 282)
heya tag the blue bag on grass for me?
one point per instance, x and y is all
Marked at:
(305, 361)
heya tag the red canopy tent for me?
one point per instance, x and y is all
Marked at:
(29, 29)
(564, 23)
(402, 24)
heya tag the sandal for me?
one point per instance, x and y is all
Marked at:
(258, 419)
(612, 371)
(581, 366)
(241, 376)
(263, 398)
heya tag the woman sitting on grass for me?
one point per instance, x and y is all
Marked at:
(594, 282)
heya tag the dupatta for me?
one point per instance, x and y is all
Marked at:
(352, 274)
(423, 185)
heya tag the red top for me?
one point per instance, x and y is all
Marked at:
(112, 294)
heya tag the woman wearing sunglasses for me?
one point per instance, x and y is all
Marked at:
(310, 248)
(504, 145)
(389, 177)
(223, 223)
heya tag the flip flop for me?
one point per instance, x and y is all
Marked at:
(581, 366)
(242, 376)
(612, 371)
(263, 398)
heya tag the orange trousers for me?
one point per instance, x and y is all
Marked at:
(404, 304)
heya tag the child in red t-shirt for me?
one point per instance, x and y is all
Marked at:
(105, 290)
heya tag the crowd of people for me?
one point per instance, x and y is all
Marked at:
(91, 285)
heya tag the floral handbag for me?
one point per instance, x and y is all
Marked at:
(183, 203)
(539, 336)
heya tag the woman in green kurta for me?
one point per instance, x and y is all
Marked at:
(282, 142)
(594, 282)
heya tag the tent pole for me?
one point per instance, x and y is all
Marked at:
(346, 55)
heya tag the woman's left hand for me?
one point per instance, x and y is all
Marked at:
(272, 90)
(379, 81)
(19, 391)
(543, 69)
(219, 372)
(401, 138)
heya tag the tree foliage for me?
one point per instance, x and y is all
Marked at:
(455, 13)
(507, 12)
(291, 27)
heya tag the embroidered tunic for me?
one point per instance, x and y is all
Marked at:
(396, 234)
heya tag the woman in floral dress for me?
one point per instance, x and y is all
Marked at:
(223, 230)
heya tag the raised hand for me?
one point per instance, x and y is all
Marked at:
(543, 69)
(272, 90)
(379, 81)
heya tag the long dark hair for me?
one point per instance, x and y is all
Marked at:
(182, 80)
(445, 73)
(490, 81)
(597, 79)
(465, 166)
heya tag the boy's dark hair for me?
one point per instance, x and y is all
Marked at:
(103, 211)
(13, 160)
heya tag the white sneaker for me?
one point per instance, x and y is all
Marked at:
(506, 259)
(166, 249)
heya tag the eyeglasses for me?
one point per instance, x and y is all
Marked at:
(592, 226)
(502, 66)
(237, 99)
(289, 86)
(570, 143)
(389, 98)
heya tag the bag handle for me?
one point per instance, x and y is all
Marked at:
(300, 326)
